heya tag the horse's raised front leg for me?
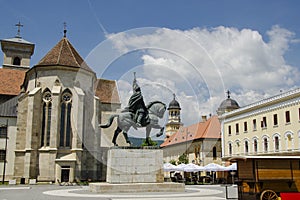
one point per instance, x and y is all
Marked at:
(114, 140)
(161, 132)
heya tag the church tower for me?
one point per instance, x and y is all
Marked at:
(174, 121)
(17, 51)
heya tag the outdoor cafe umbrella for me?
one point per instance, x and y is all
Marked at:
(180, 167)
(231, 167)
(213, 167)
(168, 167)
(191, 167)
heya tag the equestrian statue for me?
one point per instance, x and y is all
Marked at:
(137, 115)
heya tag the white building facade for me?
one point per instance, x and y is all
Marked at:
(267, 127)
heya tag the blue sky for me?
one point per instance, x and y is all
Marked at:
(43, 20)
(201, 48)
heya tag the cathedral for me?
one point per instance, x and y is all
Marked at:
(49, 114)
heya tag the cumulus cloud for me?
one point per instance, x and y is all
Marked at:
(200, 64)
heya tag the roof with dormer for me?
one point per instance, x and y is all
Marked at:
(209, 129)
(64, 54)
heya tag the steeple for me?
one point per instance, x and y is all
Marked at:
(17, 51)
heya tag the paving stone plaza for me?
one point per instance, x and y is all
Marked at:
(47, 192)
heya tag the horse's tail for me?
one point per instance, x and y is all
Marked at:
(110, 121)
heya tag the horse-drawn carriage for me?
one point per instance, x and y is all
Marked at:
(268, 177)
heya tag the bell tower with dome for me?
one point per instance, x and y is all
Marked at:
(174, 120)
(227, 105)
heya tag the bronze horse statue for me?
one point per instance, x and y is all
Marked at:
(155, 109)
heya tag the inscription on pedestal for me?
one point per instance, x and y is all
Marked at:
(135, 166)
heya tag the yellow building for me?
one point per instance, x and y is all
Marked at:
(267, 127)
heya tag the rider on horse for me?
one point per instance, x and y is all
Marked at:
(137, 106)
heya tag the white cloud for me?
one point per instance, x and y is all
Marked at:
(200, 64)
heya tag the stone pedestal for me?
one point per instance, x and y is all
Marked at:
(135, 169)
(135, 166)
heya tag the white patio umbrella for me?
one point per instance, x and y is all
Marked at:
(168, 167)
(213, 167)
(180, 167)
(231, 167)
(192, 168)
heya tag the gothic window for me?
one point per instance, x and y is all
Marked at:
(65, 120)
(46, 118)
(17, 61)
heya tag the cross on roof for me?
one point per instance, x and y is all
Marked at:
(65, 29)
(228, 94)
(19, 25)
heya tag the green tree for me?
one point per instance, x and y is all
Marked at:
(183, 159)
(173, 162)
(150, 141)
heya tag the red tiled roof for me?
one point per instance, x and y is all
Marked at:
(107, 91)
(64, 54)
(11, 81)
(202, 130)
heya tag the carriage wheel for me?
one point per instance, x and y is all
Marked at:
(268, 195)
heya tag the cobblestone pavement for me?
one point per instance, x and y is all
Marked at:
(54, 192)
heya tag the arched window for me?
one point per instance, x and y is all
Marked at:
(266, 145)
(65, 120)
(289, 141)
(255, 145)
(46, 118)
(246, 147)
(230, 149)
(238, 147)
(17, 61)
(276, 143)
